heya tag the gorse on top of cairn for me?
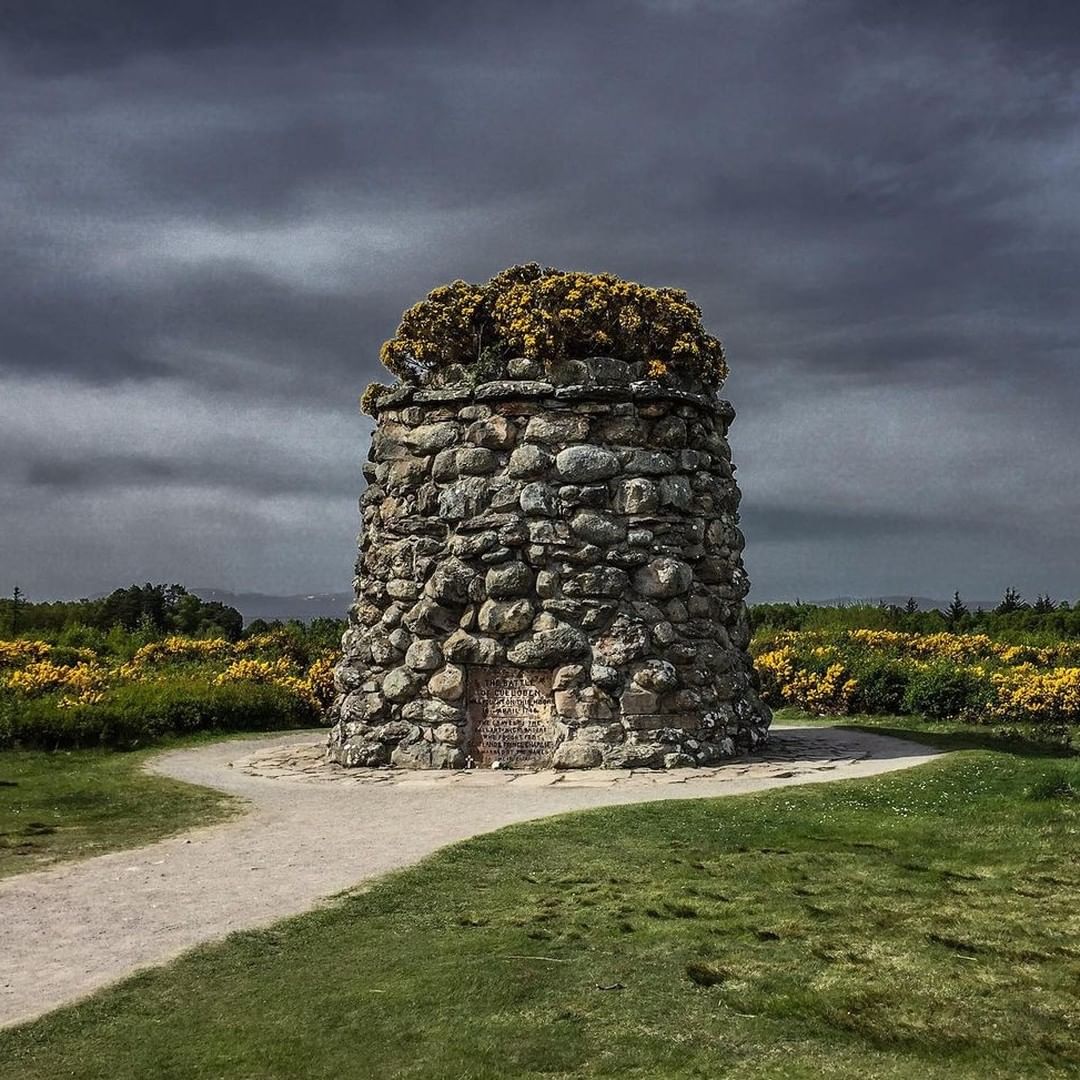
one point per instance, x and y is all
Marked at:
(466, 333)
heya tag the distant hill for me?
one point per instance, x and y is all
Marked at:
(264, 606)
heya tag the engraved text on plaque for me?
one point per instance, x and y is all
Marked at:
(511, 717)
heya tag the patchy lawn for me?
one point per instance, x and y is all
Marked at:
(73, 804)
(920, 924)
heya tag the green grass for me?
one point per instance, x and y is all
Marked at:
(921, 924)
(62, 805)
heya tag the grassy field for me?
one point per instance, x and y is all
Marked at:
(921, 924)
(70, 805)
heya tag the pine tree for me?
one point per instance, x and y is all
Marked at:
(912, 606)
(956, 610)
(16, 601)
(1043, 605)
(1011, 601)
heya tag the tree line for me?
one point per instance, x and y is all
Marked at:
(1013, 613)
(167, 609)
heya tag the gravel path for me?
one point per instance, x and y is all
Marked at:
(313, 831)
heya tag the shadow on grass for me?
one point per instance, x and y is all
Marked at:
(968, 738)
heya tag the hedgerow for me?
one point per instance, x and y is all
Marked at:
(944, 676)
(53, 696)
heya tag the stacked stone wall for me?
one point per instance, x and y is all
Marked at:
(585, 534)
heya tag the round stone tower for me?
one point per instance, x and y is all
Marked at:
(550, 573)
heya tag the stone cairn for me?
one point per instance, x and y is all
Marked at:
(550, 573)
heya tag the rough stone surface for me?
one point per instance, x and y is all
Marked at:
(567, 520)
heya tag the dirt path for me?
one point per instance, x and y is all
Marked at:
(313, 831)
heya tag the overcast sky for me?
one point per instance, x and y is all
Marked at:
(214, 213)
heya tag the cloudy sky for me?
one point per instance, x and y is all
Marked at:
(214, 213)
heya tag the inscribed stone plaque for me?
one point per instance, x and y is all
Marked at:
(511, 716)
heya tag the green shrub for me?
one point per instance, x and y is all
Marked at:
(134, 714)
(944, 691)
(882, 686)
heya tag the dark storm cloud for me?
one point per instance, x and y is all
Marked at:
(111, 471)
(215, 213)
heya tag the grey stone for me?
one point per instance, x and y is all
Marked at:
(675, 492)
(636, 495)
(547, 648)
(361, 755)
(597, 528)
(635, 756)
(426, 618)
(464, 498)
(510, 579)
(495, 433)
(679, 761)
(429, 438)
(621, 644)
(599, 581)
(522, 368)
(636, 700)
(569, 373)
(448, 683)
(568, 677)
(450, 582)
(649, 462)
(528, 460)
(664, 577)
(362, 706)
(607, 678)
(402, 589)
(609, 371)
(429, 711)
(505, 390)
(505, 616)
(577, 754)
(547, 584)
(444, 465)
(396, 731)
(423, 655)
(538, 498)
(463, 648)
(407, 472)
(427, 755)
(582, 464)
(669, 432)
(469, 545)
(557, 428)
(399, 684)
(476, 461)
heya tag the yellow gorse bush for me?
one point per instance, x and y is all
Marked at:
(1025, 695)
(33, 674)
(546, 314)
(43, 677)
(176, 648)
(17, 653)
(315, 684)
(818, 670)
